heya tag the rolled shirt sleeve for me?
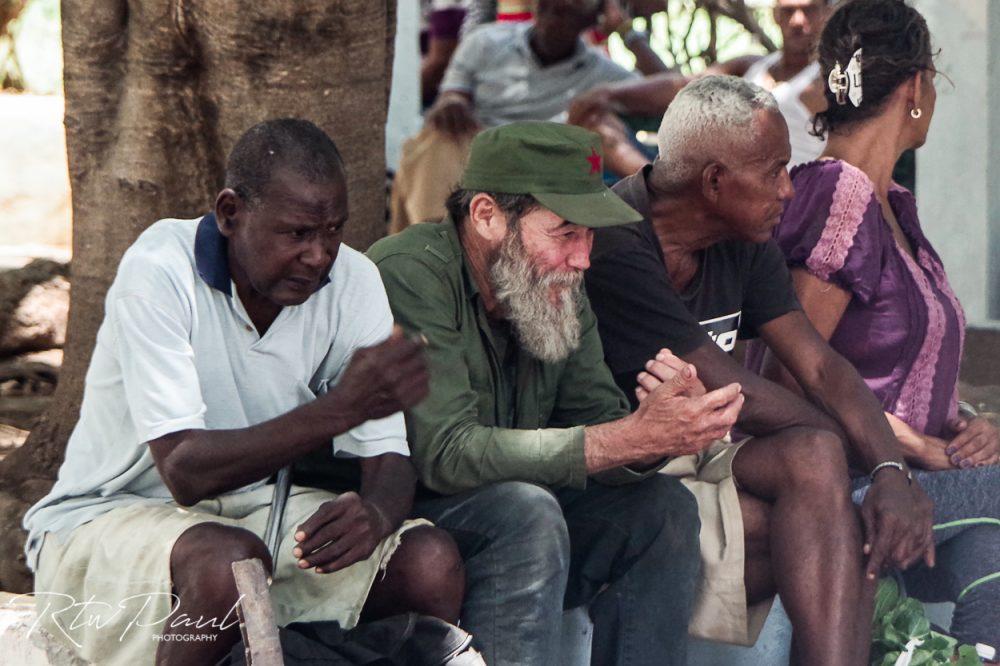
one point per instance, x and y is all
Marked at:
(467, 60)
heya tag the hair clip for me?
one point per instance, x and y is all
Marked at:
(837, 83)
(847, 84)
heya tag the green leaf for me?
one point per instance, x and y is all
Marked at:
(967, 656)
(922, 657)
(940, 643)
(890, 659)
(886, 597)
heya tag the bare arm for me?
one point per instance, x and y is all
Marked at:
(769, 407)
(388, 482)
(897, 515)
(824, 304)
(434, 64)
(735, 67)
(832, 383)
(646, 59)
(649, 96)
(615, 18)
(380, 380)
(347, 529)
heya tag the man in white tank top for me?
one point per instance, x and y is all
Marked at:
(791, 74)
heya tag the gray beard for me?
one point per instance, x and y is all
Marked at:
(548, 332)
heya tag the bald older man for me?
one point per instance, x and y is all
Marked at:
(698, 272)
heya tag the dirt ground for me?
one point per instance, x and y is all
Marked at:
(35, 221)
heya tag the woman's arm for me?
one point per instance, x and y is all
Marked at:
(920, 450)
(824, 303)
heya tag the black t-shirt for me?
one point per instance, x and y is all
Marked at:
(738, 287)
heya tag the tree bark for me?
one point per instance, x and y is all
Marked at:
(157, 92)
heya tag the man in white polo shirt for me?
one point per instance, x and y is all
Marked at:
(232, 346)
(500, 73)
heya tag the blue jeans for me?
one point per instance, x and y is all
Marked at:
(630, 552)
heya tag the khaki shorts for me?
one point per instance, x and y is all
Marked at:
(720, 612)
(106, 589)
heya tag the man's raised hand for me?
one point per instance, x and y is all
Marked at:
(382, 380)
(679, 416)
(453, 115)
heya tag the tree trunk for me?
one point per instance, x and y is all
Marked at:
(157, 92)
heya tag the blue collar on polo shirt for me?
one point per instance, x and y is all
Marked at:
(212, 259)
(210, 255)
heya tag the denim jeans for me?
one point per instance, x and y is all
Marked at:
(630, 552)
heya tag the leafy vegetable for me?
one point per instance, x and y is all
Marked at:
(900, 627)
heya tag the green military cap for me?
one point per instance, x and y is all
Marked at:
(559, 165)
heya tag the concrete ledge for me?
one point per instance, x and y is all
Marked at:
(772, 648)
(25, 645)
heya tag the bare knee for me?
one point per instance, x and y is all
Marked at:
(425, 575)
(202, 557)
(756, 514)
(814, 460)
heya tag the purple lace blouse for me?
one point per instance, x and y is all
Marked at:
(903, 328)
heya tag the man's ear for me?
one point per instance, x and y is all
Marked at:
(487, 219)
(229, 208)
(711, 181)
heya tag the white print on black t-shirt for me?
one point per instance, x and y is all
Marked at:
(724, 330)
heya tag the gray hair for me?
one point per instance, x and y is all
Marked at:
(707, 118)
(513, 205)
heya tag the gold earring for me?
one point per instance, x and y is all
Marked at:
(916, 113)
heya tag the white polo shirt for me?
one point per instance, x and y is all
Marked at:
(177, 351)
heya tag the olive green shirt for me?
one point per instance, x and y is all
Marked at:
(475, 428)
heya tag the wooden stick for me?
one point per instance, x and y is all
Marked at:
(258, 625)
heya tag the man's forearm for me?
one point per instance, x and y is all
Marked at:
(388, 483)
(197, 464)
(646, 59)
(647, 97)
(770, 407)
(838, 388)
(468, 455)
(601, 445)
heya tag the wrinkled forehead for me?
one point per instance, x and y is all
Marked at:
(291, 190)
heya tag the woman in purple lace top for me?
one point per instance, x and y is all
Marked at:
(869, 280)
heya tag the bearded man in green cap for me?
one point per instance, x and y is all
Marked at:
(525, 447)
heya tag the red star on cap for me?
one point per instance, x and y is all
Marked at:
(595, 162)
